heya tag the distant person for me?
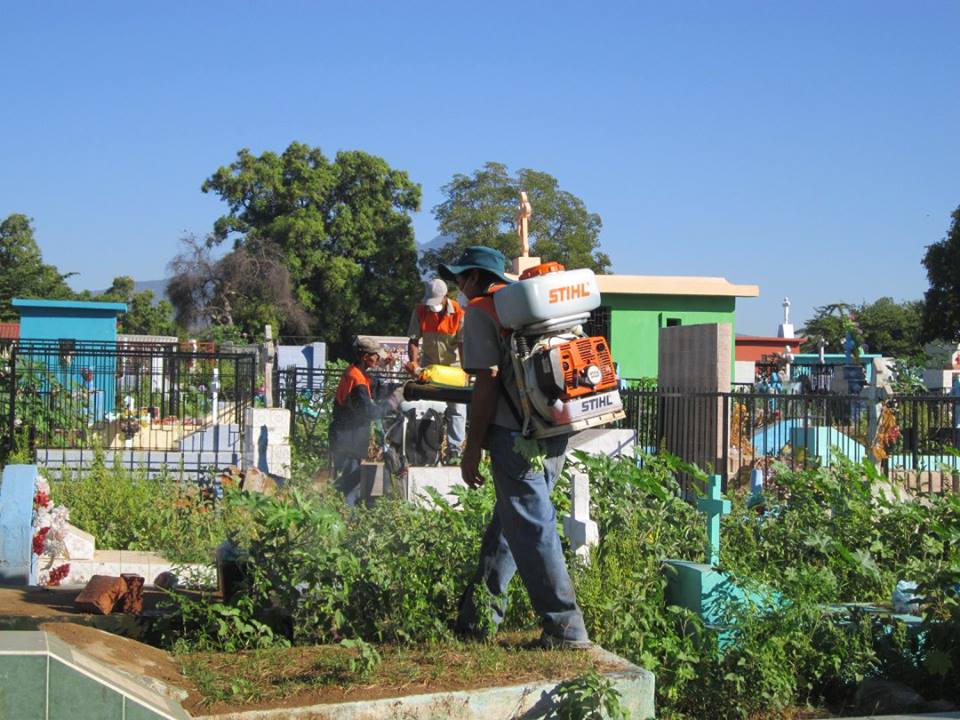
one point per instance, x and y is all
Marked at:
(436, 337)
(359, 400)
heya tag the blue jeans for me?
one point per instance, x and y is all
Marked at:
(522, 537)
(456, 427)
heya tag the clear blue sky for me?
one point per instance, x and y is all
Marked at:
(808, 147)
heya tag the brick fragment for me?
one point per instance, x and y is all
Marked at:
(101, 594)
(132, 600)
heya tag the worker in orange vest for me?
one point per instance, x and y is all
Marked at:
(436, 335)
(360, 399)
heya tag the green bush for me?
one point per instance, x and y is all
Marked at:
(126, 510)
(394, 572)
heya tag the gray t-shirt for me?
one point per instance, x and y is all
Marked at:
(481, 351)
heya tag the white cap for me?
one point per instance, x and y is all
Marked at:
(435, 292)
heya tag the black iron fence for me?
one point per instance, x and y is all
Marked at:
(914, 439)
(6, 398)
(145, 405)
(308, 393)
(161, 406)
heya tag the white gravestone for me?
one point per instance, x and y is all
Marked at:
(581, 531)
(266, 441)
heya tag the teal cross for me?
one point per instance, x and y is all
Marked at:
(714, 506)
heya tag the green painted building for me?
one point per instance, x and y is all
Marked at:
(635, 307)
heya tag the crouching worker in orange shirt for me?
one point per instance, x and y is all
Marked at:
(360, 399)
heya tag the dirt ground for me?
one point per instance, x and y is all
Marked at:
(145, 660)
(137, 658)
(53, 602)
(404, 670)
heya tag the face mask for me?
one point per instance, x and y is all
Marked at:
(435, 308)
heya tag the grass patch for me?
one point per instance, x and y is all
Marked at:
(308, 675)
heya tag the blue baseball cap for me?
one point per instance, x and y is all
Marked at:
(475, 257)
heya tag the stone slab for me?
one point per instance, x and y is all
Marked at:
(706, 591)
(117, 562)
(636, 687)
(745, 372)
(442, 478)
(75, 684)
(266, 443)
(695, 357)
(694, 364)
(613, 442)
(80, 544)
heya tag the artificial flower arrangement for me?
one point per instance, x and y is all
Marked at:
(49, 536)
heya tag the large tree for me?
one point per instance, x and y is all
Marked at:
(481, 209)
(22, 270)
(343, 228)
(941, 313)
(143, 315)
(883, 326)
(242, 291)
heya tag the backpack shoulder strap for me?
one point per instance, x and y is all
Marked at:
(486, 304)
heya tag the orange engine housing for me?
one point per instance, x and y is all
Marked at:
(576, 357)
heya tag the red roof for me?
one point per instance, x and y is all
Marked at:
(9, 331)
(754, 347)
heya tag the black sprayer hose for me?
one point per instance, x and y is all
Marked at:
(426, 391)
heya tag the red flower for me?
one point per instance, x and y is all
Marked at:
(58, 574)
(39, 540)
(41, 499)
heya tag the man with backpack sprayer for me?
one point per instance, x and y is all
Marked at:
(522, 535)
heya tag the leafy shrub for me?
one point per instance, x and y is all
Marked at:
(394, 572)
(839, 537)
(588, 697)
(126, 510)
(202, 624)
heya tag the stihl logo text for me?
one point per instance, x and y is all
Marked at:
(596, 403)
(569, 292)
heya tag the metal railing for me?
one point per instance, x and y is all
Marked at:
(916, 441)
(736, 432)
(308, 393)
(144, 405)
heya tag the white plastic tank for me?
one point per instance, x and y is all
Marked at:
(546, 297)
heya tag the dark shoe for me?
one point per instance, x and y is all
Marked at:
(552, 642)
(470, 635)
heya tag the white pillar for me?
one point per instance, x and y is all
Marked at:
(266, 441)
(581, 531)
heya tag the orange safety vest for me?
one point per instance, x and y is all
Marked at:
(442, 323)
(486, 304)
(353, 377)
